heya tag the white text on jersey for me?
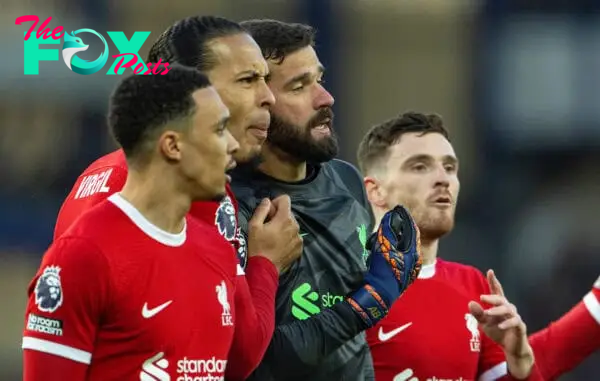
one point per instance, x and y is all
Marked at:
(93, 184)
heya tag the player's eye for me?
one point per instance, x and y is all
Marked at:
(298, 87)
(419, 167)
(221, 129)
(450, 168)
(248, 80)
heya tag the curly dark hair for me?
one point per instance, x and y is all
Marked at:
(142, 105)
(278, 39)
(187, 41)
(374, 147)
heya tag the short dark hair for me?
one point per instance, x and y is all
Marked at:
(278, 39)
(186, 41)
(374, 147)
(141, 105)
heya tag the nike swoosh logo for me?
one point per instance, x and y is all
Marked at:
(386, 336)
(148, 313)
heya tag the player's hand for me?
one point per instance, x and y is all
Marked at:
(278, 239)
(502, 323)
(394, 263)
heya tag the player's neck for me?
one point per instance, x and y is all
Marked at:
(157, 199)
(281, 166)
(429, 247)
(429, 250)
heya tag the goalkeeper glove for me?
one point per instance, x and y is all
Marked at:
(394, 263)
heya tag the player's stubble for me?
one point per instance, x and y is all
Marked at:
(433, 222)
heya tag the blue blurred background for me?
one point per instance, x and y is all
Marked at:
(516, 82)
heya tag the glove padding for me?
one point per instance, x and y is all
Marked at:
(394, 263)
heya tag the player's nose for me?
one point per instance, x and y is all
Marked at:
(323, 98)
(442, 177)
(265, 95)
(232, 144)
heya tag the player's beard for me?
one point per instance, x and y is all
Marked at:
(433, 223)
(298, 142)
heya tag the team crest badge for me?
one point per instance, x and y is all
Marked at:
(226, 318)
(48, 290)
(473, 327)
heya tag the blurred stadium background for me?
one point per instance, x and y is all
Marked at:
(516, 82)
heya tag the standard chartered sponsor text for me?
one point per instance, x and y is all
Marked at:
(201, 370)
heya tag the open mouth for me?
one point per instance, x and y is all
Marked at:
(442, 201)
(232, 164)
(323, 128)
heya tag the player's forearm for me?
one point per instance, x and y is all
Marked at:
(255, 311)
(303, 344)
(534, 374)
(522, 367)
(565, 343)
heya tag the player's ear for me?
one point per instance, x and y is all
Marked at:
(169, 143)
(375, 192)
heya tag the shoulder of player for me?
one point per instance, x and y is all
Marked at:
(243, 196)
(465, 275)
(97, 222)
(103, 177)
(342, 165)
(213, 246)
(75, 249)
(114, 160)
(202, 231)
(344, 170)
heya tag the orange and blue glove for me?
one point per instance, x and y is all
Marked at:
(394, 263)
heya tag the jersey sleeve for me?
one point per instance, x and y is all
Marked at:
(565, 343)
(67, 298)
(353, 181)
(255, 309)
(89, 190)
(297, 348)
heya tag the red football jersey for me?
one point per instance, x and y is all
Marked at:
(102, 178)
(133, 301)
(255, 309)
(429, 333)
(108, 174)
